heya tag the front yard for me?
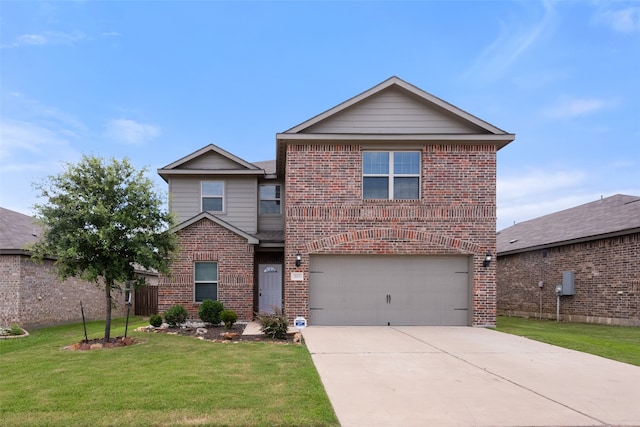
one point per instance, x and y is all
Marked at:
(619, 343)
(162, 380)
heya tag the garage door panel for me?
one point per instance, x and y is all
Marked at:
(381, 290)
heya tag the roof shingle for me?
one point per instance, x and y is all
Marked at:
(615, 214)
(17, 231)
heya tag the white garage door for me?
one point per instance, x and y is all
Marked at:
(389, 290)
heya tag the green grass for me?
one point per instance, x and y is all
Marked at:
(162, 380)
(621, 343)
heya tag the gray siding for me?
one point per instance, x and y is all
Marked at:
(273, 222)
(393, 112)
(241, 200)
(212, 161)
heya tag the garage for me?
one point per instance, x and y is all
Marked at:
(389, 290)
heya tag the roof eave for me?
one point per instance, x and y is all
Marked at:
(462, 138)
(571, 241)
(167, 172)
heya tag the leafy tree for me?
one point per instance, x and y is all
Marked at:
(101, 220)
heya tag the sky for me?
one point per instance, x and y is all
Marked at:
(154, 81)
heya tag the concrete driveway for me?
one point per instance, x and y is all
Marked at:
(461, 376)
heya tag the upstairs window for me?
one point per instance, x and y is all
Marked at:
(391, 175)
(270, 199)
(206, 281)
(212, 196)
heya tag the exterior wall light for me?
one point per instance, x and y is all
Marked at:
(298, 259)
(487, 260)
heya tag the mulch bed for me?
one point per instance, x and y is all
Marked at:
(218, 334)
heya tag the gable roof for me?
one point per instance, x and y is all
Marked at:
(17, 231)
(608, 217)
(352, 121)
(206, 215)
(196, 164)
(410, 90)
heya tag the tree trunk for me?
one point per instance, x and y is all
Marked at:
(107, 326)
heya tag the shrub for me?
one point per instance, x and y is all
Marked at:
(16, 330)
(175, 314)
(274, 325)
(210, 310)
(155, 320)
(229, 317)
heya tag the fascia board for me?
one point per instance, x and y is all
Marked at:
(499, 140)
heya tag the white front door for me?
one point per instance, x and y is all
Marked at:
(269, 287)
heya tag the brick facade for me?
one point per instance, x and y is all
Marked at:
(326, 214)
(31, 294)
(208, 241)
(607, 281)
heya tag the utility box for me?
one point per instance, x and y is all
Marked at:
(568, 287)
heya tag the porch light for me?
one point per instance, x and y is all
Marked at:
(487, 260)
(298, 259)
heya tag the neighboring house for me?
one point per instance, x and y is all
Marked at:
(598, 242)
(379, 211)
(31, 294)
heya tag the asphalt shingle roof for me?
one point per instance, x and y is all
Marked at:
(269, 166)
(615, 214)
(16, 230)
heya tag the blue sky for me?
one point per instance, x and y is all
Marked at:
(154, 81)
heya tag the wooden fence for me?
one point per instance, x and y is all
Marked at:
(146, 301)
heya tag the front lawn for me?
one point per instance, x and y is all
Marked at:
(621, 343)
(162, 380)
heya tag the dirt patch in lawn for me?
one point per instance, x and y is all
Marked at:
(99, 343)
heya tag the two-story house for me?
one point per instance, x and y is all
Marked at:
(379, 211)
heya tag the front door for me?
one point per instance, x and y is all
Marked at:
(269, 287)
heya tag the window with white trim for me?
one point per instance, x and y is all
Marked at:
(205, 281)
(270, 199)
(391, 175)
(212, 193)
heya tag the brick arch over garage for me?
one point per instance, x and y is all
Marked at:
(391, 241)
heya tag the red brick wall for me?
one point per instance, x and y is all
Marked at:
(326, 214)
(607, 281)
(207, 241)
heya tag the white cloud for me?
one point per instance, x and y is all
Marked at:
(130, 132)
(622, 20)
(539, 192)
(47, 38)
(514, 40)
(573, 107)
(29, 152)
(30, 146)
(537, 182)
